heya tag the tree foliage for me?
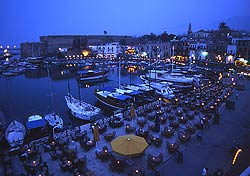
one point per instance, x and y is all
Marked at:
(164, 37)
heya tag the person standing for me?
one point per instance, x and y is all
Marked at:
(205, 171)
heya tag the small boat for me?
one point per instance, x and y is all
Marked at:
(54, 120)
(81, 109)
(2, 125)
(15, 134)
(35, 60)
(92, 75)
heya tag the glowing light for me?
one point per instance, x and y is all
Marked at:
(204, 53)
(236, 155)
(85, 53)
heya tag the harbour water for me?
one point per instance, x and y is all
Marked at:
(28, 94)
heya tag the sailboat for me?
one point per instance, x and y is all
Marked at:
(79, 108)
(15, 134)
(53, 119)
(33, 59)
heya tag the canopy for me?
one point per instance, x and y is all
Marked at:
(129, 145)
(36, 124)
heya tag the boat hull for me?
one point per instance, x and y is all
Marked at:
(15, 134)
(111, 99)
(93, 78)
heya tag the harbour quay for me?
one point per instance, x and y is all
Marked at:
(167, 130)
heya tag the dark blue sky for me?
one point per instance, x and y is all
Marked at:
(26, 20)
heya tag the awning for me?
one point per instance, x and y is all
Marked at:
(36, 124)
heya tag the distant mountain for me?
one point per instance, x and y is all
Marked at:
(235, 22)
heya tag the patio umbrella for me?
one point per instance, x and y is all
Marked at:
(129, 145)
(96, 135)
(132, 112)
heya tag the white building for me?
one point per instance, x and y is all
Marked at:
(198, 51)
(109, 50)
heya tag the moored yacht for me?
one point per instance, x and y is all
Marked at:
(161, 75)
(113, 99)
(81, 109)
(163, 89)
(92, 75)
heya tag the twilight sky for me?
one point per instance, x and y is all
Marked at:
(26, 20)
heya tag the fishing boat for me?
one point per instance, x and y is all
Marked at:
(2, 125)
(15, 134)
(109, 97)
(53, 119)
(81, 109)
(92, 75)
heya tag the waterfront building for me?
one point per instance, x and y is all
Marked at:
(79, 42)
(216, 50)
(109, 50)
(197, 51)
(180, 49)
(154, 49)
(33, 49)
(243, 48)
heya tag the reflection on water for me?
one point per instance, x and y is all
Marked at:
(28, 94)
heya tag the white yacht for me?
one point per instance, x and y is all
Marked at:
(81, 109)
(163, 89)
(162, 75)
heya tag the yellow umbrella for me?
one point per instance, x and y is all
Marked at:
(166, 100)
(96, 134)
(129, 145)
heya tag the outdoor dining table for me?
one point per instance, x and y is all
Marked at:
(168, 132)
(137, 172)
(141, 121)
(172, 147)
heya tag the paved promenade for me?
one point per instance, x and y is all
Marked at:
(214, 150)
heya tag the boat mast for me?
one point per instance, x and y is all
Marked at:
(119, 73)
(68, 86)
(103, 70)
(32, 50)
(172, 61)
(51, 91)
(79, 94)
(150, 69)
